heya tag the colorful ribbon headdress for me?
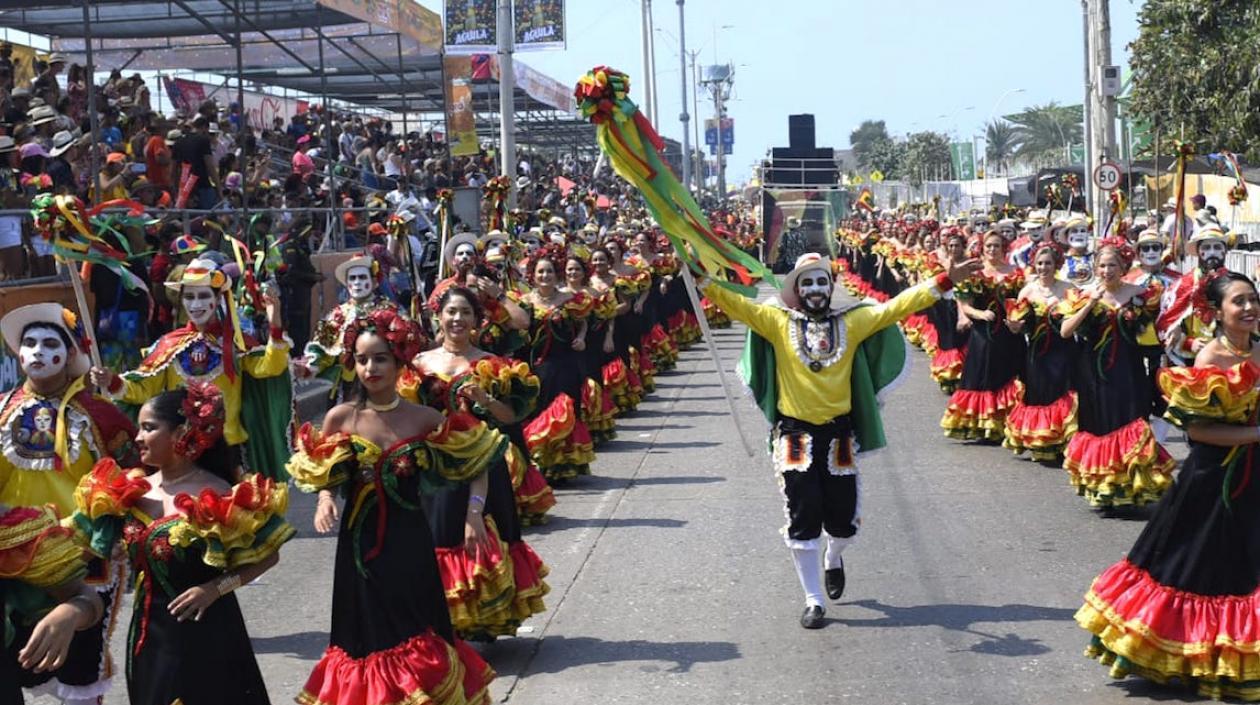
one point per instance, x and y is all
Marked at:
(632, 147)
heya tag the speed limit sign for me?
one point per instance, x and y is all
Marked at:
(1107, 176)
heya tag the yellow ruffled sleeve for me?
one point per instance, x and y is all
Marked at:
(240, 527)
(462, 447)
(102, 501)
(1210, 393)
(322, 461)
(36, 549)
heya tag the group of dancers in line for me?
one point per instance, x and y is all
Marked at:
(1065, 348)
(447, 431)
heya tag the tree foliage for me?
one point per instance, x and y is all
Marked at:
(1042, 132)
(865, 139)
(887, 157)
(1196, 72)
(1000, 140)
(927, 154)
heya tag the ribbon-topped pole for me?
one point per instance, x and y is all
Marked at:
(632, 146)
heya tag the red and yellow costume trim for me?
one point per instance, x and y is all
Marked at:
(1124, 467)
(492, 592)
(1148, 629)
(1041, 431)
(980, 414)
(559, 442)
(423, 670)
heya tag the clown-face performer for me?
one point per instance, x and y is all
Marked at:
(1185, 322)
(52, 431)
(822, 404)
(359, 276)
(1152, 266)
(1032, 230)
(1078, 264)
(213, 348)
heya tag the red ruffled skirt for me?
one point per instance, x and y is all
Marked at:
(558, 442)
(1124, 467)
(423, 669)
(1143, 627)
(618, 384)
(1042, 431)
(641, 366)
(684, 328)
(492, 592)
(715, 315)
(534, 497)
(598, 412)
(947, 367)
(979, 414)
(660, 348)
(913, 327)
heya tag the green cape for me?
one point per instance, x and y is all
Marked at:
(878, 363)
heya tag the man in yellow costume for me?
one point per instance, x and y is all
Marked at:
(800, 365)
(52, 431)
(253, 376)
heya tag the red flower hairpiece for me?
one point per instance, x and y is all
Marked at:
(403, 336)
(203, 419)
(1122, 248)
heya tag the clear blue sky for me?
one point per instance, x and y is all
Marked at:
(906, 62)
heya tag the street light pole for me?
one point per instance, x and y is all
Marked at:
(507, 100)
(648, 97)
(682, 79)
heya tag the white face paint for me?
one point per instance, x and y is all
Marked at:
(1007, 231)
(814, 289)
(532, 245)
(359, 282)
(1035, 234)
(1150, 255)
(1212, 248)
(464, 254)
(1078, 237)
(199, 303)
(41, 353)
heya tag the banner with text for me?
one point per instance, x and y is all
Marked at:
(460, 121)
(469, 26)
(539, 24)
(261, 109)
(963, 156)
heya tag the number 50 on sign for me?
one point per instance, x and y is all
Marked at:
(1107, 176)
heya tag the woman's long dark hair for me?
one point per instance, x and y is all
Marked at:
(168, 407)
(1217, 285)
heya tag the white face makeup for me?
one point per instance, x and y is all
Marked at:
(199, 303)
(1078, 237)
(814, 289)
(464, 254)
(42, 353)
(359, 282)
(1007, 231)
(1212, 248)
(1150, 254)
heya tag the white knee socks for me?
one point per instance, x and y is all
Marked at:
(835, 547)
(807, 570)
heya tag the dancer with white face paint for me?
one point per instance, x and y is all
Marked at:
(212, 348)
(1078, 264)
(1184, 324)
(52, 431)
(811, 343)
(323, 354)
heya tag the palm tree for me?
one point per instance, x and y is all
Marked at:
(1044, 132)
(999, 144)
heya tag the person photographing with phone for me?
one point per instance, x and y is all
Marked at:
(112, 181)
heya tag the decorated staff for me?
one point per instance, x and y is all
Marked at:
(74, 234)
(631, 145)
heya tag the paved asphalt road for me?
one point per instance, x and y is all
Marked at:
(670, 584)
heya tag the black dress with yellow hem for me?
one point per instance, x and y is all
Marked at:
(1183, 604)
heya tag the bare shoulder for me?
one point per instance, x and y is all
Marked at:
(338, 418)
(215, 483)
(420, 419)
(1213, 354)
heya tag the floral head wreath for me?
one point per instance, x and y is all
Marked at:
(1199, 301)
(556, 254)
(1048, 246)
(1122, 247)
(403, 336)
(203, 419)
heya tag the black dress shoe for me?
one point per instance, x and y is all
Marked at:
(834, 579)
(813, 617)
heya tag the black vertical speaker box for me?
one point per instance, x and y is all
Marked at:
(801, 133)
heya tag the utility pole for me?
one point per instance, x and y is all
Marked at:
(656, 88)
(682, 79)
(1104, 114)
(719, 83)
(646, 25)
(698, 164)
(507, 102)
(1087, 188)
